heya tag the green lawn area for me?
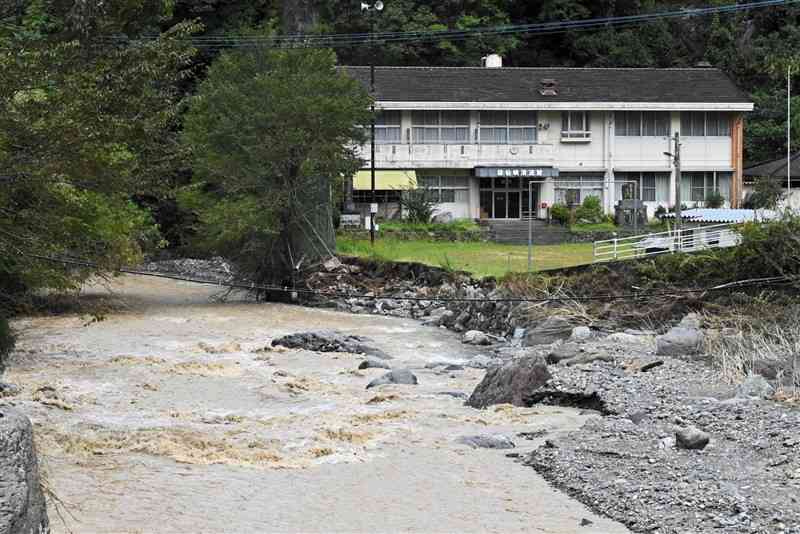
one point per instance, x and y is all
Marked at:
(478, 258)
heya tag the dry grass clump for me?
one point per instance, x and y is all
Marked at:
(771, 350)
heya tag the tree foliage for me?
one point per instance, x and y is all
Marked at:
(268, 130)
(84, 125)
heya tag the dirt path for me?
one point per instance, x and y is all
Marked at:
(172, 417)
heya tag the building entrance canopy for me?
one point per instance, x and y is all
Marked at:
(385, 180)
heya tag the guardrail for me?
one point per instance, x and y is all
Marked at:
(684, 240)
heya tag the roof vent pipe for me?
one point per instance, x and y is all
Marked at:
(492, 61)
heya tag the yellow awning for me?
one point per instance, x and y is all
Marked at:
(385, 180)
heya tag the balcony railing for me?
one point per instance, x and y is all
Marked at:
(576, 136)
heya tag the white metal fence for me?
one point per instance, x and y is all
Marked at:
(684, 240)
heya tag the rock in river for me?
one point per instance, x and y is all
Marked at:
(487, 442)
(510, 383)
(398, 376)
(329, 342)
(373, 364)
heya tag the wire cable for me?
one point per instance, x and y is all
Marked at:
(636, 296)
(545, 28)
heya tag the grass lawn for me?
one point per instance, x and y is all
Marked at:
(480, 259)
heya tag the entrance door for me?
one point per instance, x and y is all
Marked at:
(513, 204)
(529, 205)
(500, 205)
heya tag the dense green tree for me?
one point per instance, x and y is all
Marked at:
(269, 131)
(85, 122)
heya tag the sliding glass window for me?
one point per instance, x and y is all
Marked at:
(508, 127)
(387, 127)
(440, 127)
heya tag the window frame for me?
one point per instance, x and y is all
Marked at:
(568, 133)
(440, 126)
(508, 127)
(661, 120)
(381, 127)
(440, 187)
(720, 120)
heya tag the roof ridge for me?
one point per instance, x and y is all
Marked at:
(409, 67)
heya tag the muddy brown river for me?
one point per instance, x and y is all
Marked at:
(172, 414)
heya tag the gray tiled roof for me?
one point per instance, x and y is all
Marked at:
(468, 84)
(773, 169)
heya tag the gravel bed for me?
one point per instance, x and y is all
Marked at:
(626, 465)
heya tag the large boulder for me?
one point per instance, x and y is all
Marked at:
(691, 438)
(685, 339)
(510, 383)
(324, 341)
(552, 329)
(476, 337)
(22, 504)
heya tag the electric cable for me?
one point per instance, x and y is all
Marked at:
(636, 296)
(544, 28)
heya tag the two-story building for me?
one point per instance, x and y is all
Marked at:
(480, 137)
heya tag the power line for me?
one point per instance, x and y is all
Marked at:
(546, 28)
(293, 292)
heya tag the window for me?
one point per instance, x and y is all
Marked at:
(575, 125)
(642, 123)
(446, 127)
(698, 181)
(573, 188)
(705, 123)
(697, 186)
(387, 127)
(446, 189)
(648, 186)
(508, 127)
(382, 196)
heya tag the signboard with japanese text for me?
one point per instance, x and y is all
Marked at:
(514, 172)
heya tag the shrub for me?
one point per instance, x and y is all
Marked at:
(590, 212)
(715, 200)
(419, 204)
(767, 192)
(561, 213)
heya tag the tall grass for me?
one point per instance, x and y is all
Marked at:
(754, 348)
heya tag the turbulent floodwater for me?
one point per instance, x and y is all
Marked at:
(174, 415)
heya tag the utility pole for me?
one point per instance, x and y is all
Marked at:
(676, 160)
(372, 211)
(373, 206)
(788, 135)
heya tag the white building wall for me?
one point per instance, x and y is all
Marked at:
(603, 153)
